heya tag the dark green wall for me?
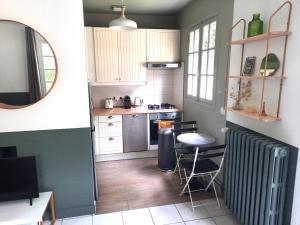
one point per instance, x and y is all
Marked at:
(64, 163)
(208, 118)
(143, 21)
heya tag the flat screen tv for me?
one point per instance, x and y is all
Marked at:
(18, 178)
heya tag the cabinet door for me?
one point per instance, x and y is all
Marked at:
(90, 53)
(109, 145)
(106, 55)
(132, 56)
(135, 133)
(163, 45)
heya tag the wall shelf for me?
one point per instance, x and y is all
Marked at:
(255, 115)
(258, 77)
(263, 79)
(265, 36)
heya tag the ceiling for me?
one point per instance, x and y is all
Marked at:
(149, 7)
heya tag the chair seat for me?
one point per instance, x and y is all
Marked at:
(202, 166)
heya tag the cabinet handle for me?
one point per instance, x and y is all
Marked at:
(134, 115)
(110, 117)
(111, 139)
(110, 124)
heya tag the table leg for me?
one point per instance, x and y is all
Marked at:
(52, 209)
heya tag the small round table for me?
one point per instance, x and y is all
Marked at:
(196, 139)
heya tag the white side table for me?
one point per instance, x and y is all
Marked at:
(20, 211)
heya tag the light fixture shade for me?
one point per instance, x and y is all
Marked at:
(122, 24)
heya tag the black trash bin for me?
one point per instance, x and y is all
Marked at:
(166, 152)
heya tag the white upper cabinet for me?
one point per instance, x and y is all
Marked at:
(163, 45)
(132, 56)
(120, 57)
(106, 55)
(90, 53)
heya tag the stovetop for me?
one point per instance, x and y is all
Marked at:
(161, 106)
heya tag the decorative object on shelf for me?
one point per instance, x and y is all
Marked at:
(249, 66)
(243, 94)
(122, 23)
(256, 26)
(269, 65)
(263, 111)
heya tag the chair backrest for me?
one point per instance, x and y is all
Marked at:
(207, 153)
(183, 127)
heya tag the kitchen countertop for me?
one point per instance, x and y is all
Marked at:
(122, 111)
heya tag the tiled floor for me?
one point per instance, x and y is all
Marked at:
(173, 214)
(138, 183)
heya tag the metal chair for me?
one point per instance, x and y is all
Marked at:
(203, 166)
(182, 152)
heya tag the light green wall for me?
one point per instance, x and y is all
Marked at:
(143, 21)
(64, 164)
(209, 119)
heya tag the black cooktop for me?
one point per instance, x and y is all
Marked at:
(161, 106)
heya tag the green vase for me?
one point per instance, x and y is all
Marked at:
(255, 27)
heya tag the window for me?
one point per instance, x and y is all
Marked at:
(201, 62)
(48, 65)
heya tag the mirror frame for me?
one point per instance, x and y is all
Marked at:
(7, 106)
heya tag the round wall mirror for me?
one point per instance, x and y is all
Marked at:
(269, 65)
(28, 68)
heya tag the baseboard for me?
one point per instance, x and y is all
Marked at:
(129, 155)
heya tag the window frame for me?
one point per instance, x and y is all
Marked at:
(200, 26)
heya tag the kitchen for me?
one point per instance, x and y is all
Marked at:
(131, 94)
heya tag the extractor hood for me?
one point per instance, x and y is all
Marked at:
(161, 65)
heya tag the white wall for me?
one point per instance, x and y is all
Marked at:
(13, 66)
(61, 23)
(288, 129)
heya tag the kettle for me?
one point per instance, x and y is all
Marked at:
(138, 101)
(109, 103)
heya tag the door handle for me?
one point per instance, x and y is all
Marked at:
(110, 124)
(110, 117)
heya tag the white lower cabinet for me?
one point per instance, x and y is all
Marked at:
(109, 136)
(113, 144)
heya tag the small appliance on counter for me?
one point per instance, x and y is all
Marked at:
(127, 102)
(109, 103)
(138, 102)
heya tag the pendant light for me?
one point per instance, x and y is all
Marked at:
(122, 23)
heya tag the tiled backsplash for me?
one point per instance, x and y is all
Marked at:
(162, 86)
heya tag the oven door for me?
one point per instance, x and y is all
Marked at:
(153, 132)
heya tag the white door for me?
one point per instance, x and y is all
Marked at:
(132, 56)
(106, 55)
(163, 45)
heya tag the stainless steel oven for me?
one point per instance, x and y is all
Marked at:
(154, 118)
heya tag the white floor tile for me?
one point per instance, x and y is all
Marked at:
(57, 222)
(137, 217)
(165, 215)
(81, 220)
(201, 222)
(108, 219)
(214, 210)
(225, 220)
(187, 213)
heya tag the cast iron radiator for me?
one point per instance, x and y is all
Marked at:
(255, 173)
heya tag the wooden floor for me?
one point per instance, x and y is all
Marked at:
(138, 183)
